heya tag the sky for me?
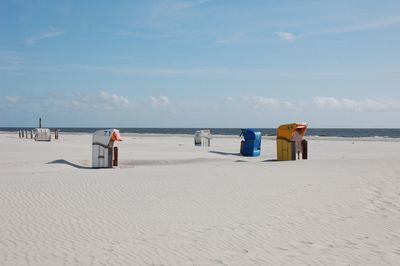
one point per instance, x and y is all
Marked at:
(200, 63)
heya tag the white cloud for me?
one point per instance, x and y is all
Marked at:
(373, 105)
(193, 3)
(205, 71)
(229, 99)
(114, 99)
(363, 26)
(8, 68)
(145, 71)
(11, 99)
(9, 61)
(326, 102)
(160, 101)
(286, 36)
(10, 58)
(52, 32)
(237, 37)
(133, 34)
(102, 101)
(262, 103)
(267, 103)
(321, 103)
(377, 24)
(174, 8)
(163, 104)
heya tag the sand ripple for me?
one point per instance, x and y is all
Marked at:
(202, 211)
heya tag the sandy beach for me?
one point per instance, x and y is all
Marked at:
(170, 203)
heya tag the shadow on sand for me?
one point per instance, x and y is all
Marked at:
(240, 155)
(270, 161)
(226, 153)
(62, 161)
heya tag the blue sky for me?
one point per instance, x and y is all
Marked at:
(200, 63)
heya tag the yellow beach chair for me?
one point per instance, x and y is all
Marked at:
(286, 149)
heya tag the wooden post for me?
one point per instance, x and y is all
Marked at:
(115, 157)
(26, 133)
(22, 133)
(40, 122)
(19, 133)
(31, 134)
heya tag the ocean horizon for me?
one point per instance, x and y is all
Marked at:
(322, 132)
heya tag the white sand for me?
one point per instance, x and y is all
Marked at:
(170, 203)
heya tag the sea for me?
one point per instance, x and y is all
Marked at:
(322, 132)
